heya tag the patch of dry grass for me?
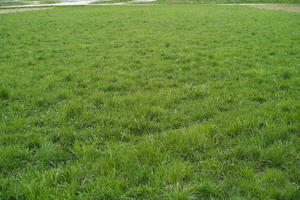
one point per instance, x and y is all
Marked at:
(285, 7)
(21, 10)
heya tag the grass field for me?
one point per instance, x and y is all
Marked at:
(11, 3)
(26, 2)
(227, 1)
(169, 102)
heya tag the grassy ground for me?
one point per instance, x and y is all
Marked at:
(12, 3)
(111, 1)
(227, 1)
(25, 2)
(149, 102)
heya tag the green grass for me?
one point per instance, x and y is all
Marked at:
(149, 102)
(228, 1)
(12, 3)
(25, 2)
(111, 1)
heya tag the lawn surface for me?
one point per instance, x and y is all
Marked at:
(28, 2)
(149, 103)
(227, 1)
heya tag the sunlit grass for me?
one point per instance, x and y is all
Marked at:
(228, 1)
(153, 102)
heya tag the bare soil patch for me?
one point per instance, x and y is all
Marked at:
(2, 11)
(285, 7)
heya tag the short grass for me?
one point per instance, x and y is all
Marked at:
(227, 1)
(12, 3)
(26, 2)
(149, 102)
(111, 1)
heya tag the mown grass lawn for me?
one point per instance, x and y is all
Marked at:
(229, 1)
(149, 103)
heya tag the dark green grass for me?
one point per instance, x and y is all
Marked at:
(149, 102)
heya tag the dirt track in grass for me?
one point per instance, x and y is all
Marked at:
(2, 11)
(284, 7)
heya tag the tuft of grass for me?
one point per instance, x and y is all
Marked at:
(4, 94)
